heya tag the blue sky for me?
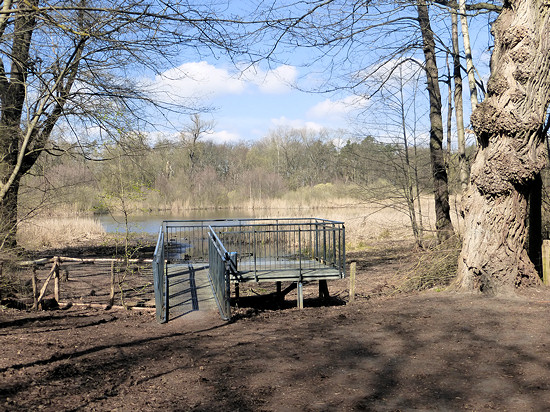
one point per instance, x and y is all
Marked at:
(247, 104)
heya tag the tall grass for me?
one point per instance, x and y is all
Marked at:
(59, 232)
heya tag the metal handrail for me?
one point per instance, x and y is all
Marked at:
(219, 273)
(160, 281)
(323, 239)
(297, 249)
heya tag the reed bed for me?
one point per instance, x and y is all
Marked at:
(365, 222)
(59, 232)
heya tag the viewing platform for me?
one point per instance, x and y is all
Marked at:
(239, 251)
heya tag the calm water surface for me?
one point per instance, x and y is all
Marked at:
(150, 223)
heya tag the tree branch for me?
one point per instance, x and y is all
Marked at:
(483, 6)
(4, 16)
(31, 133)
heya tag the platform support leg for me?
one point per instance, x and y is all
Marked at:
(300, 295)
(280, 295)
(323, 290)
(237, 291)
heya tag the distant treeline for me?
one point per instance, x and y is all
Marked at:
(290, 167)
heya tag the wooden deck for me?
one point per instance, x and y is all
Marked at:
(290, 250)
(286, 273)
(190, 290)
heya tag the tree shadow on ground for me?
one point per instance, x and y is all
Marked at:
(249, 306)
(433, 352)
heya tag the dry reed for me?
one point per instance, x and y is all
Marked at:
(59, 232)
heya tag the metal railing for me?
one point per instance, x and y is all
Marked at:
(287, 244)
(219, 274)
(187, 240)
(265, 244)
(160, 280)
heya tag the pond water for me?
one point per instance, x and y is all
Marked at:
(150, 223)
(364, 221)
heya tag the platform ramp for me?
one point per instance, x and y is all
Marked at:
(189, 290)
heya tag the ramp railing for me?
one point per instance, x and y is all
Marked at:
(160, 280)
(188, 240)
(219, 273)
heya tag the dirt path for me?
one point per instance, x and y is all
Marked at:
(432, 351)
(429, 351)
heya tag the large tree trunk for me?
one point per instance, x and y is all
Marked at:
(443, 223)
(12, 97)
(509, 128)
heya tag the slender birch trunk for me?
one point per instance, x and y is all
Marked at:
(468, 52)
(464, 169)
(443, 224)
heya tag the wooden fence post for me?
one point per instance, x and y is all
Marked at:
(352, 271)
(323, 290)
(34, 289)
(56, 279)
(112, 295)
(55, 268)
(545, 261)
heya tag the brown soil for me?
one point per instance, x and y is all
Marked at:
(427, 351)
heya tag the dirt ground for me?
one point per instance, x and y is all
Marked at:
(384, 352)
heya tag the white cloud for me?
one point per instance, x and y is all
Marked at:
(334, 109)
(223, 136)
(196, 81)
(403, 69)
(203, 82)
(154, 137)
(277, 81)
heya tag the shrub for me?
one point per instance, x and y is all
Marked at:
(436, 267)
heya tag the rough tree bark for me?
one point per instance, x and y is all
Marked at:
(443, 223)
(8, 217)
(509, 128)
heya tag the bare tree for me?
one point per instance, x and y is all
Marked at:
(468, 53)
(74, 61)
(510, 129)
(365, 38)
(190, 137)
(396, 153)
(443, 223)
(464, 168)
